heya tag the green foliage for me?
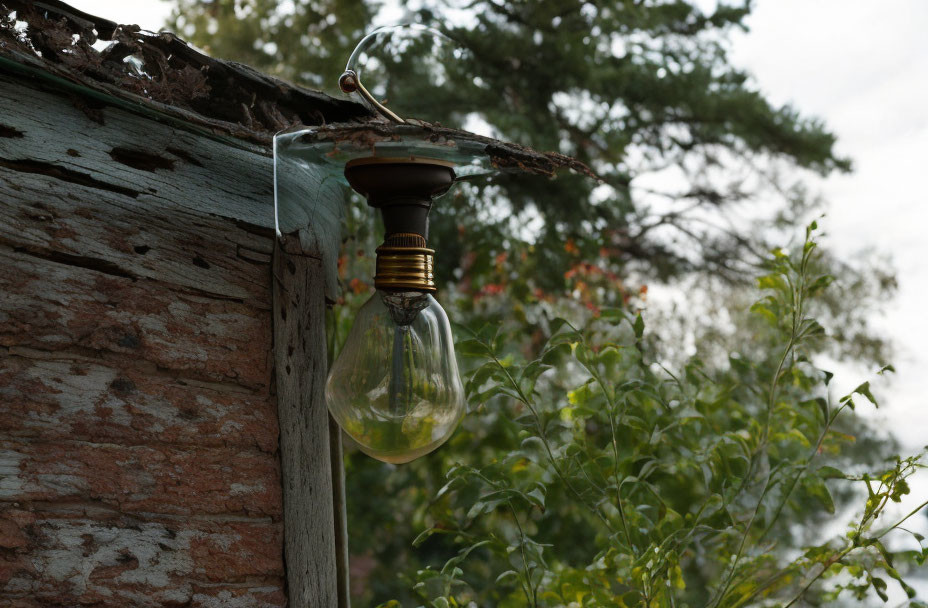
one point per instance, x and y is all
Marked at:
(303, 41)
(629, 485)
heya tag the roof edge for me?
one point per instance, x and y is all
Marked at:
(162, 75)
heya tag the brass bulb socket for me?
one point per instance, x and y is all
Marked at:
(400, 268)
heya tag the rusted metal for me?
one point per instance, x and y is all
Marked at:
(350, 82)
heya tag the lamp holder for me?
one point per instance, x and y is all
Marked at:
(403, 189)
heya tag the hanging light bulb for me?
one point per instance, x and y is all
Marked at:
(395, 387)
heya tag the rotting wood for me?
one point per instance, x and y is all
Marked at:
(139, 461)
(131, 561)
(60, 307)
(89, 400)
(205, 176)
(144, 479)
(170, 74)
(133, 321)
(225, 97)
(300, 358)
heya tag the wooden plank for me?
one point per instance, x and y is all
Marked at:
(135, 363)
(341, 513)
(81, 554)
(48, 217)
(59, 397)
(138, 433)
(73, 310)
(306, 469)
(135, 165)
(142, 479)
(154, 164)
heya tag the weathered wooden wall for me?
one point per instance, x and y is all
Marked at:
(138, 426)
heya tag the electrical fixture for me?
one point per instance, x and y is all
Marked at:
(394, 388)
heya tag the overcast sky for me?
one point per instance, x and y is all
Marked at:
(861, 66)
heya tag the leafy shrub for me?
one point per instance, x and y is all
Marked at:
(633, 485)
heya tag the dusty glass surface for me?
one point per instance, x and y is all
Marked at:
(309, 171)
(395, 387)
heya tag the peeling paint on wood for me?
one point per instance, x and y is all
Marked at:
(144, 479)
(211, 178)
(65, 308)
(139, 457)
(88, 400)
(125, 561)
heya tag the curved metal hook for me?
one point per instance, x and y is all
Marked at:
(349, 82)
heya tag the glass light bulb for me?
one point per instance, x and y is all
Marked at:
(395, 387)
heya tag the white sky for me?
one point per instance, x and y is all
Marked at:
(862, 66)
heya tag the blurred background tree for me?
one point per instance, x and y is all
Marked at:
(700, 174)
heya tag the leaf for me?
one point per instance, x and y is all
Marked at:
(767, 307)
(810, 327)
(772, 281)
(481, 399)
(819, 284)
(507, 574)
(537, 497)
(638, 326)
(556, 324)
(798, 436)
(879, 585)
(613, 314)
(530, 376)
(823, 406)
(511, 393)
(534, 449)
(471, 348)
(827, 472)
(676, 577)
(864, 389)
(423, 536)
(900, 489)
(553, 352)
(480, 376)
(816, 488)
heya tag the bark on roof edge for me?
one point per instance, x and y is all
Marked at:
(166, 75)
